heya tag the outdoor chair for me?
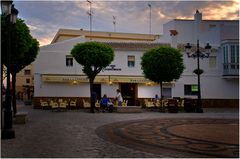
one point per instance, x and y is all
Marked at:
(73, 103)
(43, 104)
(86, 104)
(54, 105)
(125, 102)
(97, 104)
(162, 105)
(115, 103)
(181, 105)
(172, 106)
(158, 103)
(62, 104)
(149, 104)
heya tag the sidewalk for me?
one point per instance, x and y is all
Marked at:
(77, 133)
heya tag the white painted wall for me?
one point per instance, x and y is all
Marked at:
(212, 86)
(109, 90)
(43, 89)
(121, 59)
(148, 91)
(51, 60)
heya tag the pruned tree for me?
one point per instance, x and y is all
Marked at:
(24, 49)
(93, 56)
(162, 64)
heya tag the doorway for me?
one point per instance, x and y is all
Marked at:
(129, 92)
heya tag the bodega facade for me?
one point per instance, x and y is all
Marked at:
(58, 75)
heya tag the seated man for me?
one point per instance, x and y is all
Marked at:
(104, 103)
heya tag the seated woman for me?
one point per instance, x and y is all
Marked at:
(104, 102)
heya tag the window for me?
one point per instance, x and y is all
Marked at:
(212, 62)
(27, 80)
(27, 72)
(167, 92)
(225, 54)
(69, 61)
(212, 26)
(230, 58)
(191, 89)
(131, 61)
(225, 57)
(232, 54)
(233, 57)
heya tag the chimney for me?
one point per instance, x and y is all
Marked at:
(173, 34)
(197, 25)
(198, 16)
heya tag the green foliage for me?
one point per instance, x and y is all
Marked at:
(162, 64)
(93, 56)
(24, 48)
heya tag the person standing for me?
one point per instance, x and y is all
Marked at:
(119, 97)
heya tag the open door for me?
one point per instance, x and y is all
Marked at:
(129, 92)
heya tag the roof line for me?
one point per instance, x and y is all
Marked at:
(102, 34)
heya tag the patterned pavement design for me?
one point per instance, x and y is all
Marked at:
(176, 137)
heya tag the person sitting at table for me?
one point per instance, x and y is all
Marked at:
(156, 97)
(104, 102)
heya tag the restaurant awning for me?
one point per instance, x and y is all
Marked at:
(98, 79)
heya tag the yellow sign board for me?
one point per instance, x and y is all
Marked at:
(128, 79)
(67, 79)
(99, 79)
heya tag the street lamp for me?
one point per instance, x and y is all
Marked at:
(198, 54)
(10, 13)
(150, 18)
(90, 13)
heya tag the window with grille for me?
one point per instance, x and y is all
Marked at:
(131, 61)
(69, 61)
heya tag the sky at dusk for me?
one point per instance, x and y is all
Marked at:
(44, 18)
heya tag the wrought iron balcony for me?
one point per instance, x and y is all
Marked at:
(231, 69)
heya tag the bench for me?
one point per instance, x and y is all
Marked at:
(21, 117)
(129, 109)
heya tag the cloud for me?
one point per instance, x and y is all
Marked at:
(224, 10)
(44, 18)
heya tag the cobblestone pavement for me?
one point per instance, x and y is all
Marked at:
(79, 134)
(177, 137)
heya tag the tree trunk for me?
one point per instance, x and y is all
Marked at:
(14, 93)
(91, 96)
(161, 93)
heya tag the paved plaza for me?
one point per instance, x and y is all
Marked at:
(79, 134)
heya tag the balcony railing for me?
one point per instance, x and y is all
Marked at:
(231, 69)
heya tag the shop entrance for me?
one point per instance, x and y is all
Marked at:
(129, 91)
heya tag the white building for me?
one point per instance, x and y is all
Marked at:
(57, 74)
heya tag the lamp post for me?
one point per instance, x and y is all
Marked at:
(150, 18)
(90, 13)
(198, 54)
(10, 13)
